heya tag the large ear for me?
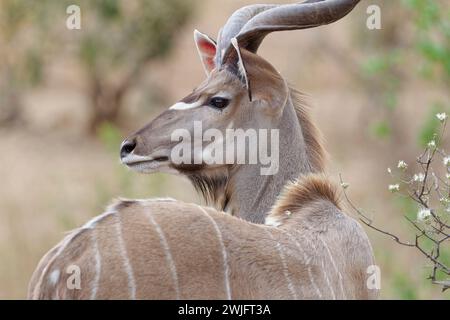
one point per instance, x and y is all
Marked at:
(206, 48)
(264, 84)
(241, 67)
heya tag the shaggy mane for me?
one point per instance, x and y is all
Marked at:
(296, 195)
(213, 189)
(311, 134)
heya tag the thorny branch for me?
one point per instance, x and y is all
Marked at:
(431, 192)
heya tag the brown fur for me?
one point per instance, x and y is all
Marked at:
(212, 188)
(171, 250)
(307, 189)
(324, 255)
(274, 105)
(311, 134)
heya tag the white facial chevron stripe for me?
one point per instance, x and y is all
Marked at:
(185, 106)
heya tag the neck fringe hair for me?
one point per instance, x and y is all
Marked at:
(213, 188)
(311, 134)
(303, 192)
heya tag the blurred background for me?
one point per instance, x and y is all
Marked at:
(68, 98)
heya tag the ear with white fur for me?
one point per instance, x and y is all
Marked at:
(241, 67)
(206, 48)
(265, 87)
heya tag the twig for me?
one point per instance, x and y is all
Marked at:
(435, 228)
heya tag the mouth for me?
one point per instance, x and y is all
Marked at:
(159, 159)
(145, 164)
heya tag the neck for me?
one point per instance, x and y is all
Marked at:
(247, 194)
(254, 194)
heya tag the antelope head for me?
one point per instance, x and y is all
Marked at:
(241, 91)
(223, 101)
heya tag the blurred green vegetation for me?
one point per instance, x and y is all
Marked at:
(428, 47)
(431, 124)
(23, 53)
(118, 40)
(414, 43)
(117, 43)
(432, 44)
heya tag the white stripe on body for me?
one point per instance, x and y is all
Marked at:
(126, 261)
(285, 267)
(307, 260)
(169, 258)
(224, 253)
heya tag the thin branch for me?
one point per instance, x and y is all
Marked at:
(422, 191)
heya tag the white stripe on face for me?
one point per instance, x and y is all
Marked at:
(185, 106)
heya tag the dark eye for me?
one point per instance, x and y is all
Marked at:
(218, 102)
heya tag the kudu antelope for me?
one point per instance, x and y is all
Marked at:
(162, 248)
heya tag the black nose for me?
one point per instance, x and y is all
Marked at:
(127, 147)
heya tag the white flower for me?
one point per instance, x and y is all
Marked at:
(447, 176)
(447, 161)
(442, 116)
(419, 177)
(444, 201)
(394, 188)
(345, 185)
(432, 144)
(423, 214)
(389, 170)
(402, 165)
